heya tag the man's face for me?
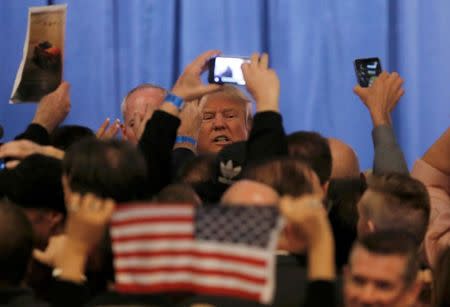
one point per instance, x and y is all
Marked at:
(224, 122)
(377, 280)
(136, 106)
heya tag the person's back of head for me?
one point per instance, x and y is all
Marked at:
(199, 169)
(16, 244)
(178, 194)
(342, 198)
(345, 162)
(35, 186)
(108, 169)
(247, 192)
(288, 176)
(313, 149)
(394, 202)
(64, 136)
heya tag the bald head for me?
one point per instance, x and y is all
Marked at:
(247, 192)
(345, 160)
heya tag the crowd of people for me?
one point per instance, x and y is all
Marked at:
(350, 237)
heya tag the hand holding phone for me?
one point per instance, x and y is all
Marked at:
(262, 83)
(226, 69)
(367, 70)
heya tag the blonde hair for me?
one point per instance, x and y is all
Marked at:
(234, 94)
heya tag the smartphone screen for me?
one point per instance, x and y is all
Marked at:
(367, 70)
(2, 164)
(226, 70)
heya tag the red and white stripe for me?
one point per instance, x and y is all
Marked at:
(155, 251)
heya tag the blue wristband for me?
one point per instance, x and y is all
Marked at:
(175, 100)
(185, 139)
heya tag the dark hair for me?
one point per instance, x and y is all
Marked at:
(111, 168)
(287, 176)
(441, 280)
(394, 243)
(35, 183)
(405, 204)
(198, 169)
(64, 136)
(16, 244)
(178, 193)
(313, 149)
(342, 197)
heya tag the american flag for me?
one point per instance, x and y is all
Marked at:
(217, 250)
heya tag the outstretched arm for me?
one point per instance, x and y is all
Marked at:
(380, 99)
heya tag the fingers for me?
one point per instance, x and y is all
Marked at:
(207, 89)
(294, 209)
(397, 97)
(18, 149)
(74, 203)
(102, 129)
(383, 76)
(106, 132)
(264, 60)
(108, 209)
(199, 64)
(257, 60)
(113, 129)
(41, 256)
(64, 87)
(12, 164)
(254, 59)
(360, 91)
(123, 130)
(89, 205)
(202, 102)
(396, 81)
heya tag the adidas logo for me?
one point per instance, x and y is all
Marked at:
(228, 172)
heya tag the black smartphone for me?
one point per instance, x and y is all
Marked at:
(367, 70)
(226, 69)
(2, 164)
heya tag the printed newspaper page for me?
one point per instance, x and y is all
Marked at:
(40, 71)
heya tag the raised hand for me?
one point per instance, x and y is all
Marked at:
(189, 86)
(87, 218)
(53, 108)
(20, 149)
(108, 130)
(382, 97)
(262, 82)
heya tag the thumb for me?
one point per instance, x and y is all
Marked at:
(286, 207)
(207, 89)
(12, 164)
(64, 87)
(360, 91)
(41, 256)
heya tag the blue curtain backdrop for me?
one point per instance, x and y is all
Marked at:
(113, 45)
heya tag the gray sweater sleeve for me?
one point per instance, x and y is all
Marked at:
(388, 154)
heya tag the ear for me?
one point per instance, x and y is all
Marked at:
(371, 226)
